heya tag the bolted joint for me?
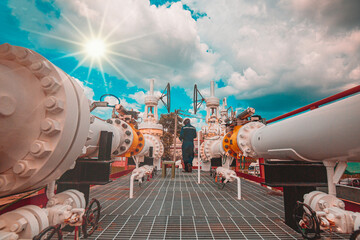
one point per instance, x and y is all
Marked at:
(6, 182)
(40, 69)
(117, 121)
(40, 149)
(54, 105)
(50, 127)
(50, 84)
(19, 225)
(7, 105)
(128, 133)
(127, 141)
(124, 125)
(24, 57)
(23, 168)
(109, 121)
(7, 51)
(122, 148)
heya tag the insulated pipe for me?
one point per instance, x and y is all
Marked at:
(327, 133)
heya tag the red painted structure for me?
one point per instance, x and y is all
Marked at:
(315, 105)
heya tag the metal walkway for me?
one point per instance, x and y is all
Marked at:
(182, 209)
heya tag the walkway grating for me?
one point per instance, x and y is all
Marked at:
(182, 209)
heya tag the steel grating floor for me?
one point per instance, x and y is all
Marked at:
(182, 209)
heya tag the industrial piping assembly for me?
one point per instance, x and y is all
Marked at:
(329, 134)
(45, 125)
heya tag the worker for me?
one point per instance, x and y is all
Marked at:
(187, 135)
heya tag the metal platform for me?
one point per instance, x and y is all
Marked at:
(182, 209)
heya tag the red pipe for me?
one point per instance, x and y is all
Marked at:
(318, 103)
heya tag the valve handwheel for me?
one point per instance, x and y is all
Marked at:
(306, 221)
(51, 232)
(355, 235)
(91, 218)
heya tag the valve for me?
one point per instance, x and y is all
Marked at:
(91, 218)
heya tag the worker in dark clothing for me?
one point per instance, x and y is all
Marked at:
(187, 135)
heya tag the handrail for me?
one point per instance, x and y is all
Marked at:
(318, 103)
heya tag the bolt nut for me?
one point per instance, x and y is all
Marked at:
(54, 105)
(124, 125)
(7, 51)
(19, 225)
(109, 121)
(23, 168)
(40, 69)
(128, 133)
(2, 224)
(6, 182)
(40, 149)
(116, 152)
(50, 126)
(50, 84)
(341, 204)
(226, 140)
(24, 57)
(117, 121)
(7, 105)
(140, 138)
(137, 150)
(122, 148)
(127, 141)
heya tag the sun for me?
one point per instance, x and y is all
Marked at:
(95, 48)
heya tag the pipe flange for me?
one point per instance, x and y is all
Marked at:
(128, 136)
(47, 145)
(244, 138)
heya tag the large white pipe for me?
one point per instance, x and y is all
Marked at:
(330, 132)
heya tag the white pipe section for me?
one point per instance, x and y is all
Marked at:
(238, 187)
(92, 143)
(132, 184)
(328, 133)
(199, 156)
(212, 89)
(151, 87)
(50, 190)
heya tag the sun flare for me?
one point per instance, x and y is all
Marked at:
(95, 48)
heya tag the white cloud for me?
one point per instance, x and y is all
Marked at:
(265, 49)
(257, 48)
(151, 42)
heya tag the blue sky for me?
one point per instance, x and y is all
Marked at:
(274, 56)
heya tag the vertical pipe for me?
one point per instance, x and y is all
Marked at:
(199, 159)
(132, 184)
(238, 187)
(330, 165)
(175, 131)
(212, 89)
(151, 87)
